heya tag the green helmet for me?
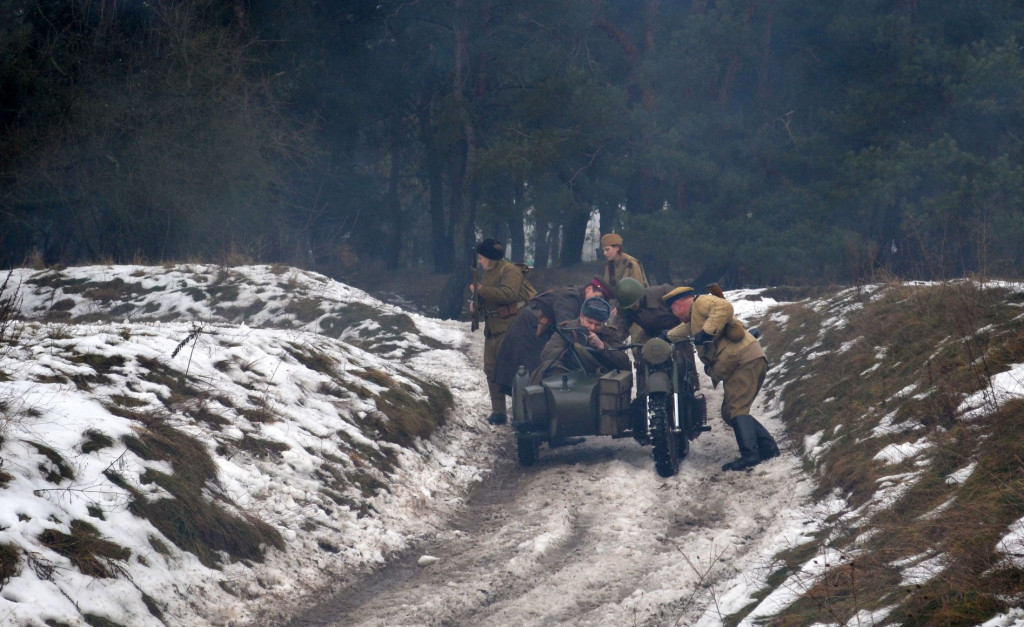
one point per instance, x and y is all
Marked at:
(628, 292)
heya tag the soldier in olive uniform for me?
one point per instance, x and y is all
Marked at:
(642, 315)
(501, 293)
(620, 265)
(535, 324)
(732, 355)
(584, 341)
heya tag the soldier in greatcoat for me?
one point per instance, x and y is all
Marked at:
(535, 324)
(501, 293)
(583, 342)
(733, 356)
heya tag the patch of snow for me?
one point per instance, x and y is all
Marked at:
(962, 475)
(898, 453)
(1012, 544)
(1002, 387)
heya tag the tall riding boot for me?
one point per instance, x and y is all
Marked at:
(745, 428)
(766, 446)
(498, 416)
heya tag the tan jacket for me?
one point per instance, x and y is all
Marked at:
(622, 267)
(501, 287)
(711, 314)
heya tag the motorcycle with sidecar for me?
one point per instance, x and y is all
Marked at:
(579, 401)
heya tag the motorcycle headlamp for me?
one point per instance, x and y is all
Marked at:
(656, 351)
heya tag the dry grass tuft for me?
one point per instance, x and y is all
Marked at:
(189, 519)
(409, 414)
(10, 560)
(58, 468)
(90, 553)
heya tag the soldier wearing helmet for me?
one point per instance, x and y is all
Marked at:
(641, 306)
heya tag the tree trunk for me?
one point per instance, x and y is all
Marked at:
(555, 243)
(517, 233)
(541, 251)
(462, 210)
(573, 235)
(452, 296)
(393, 253)
(440, 235)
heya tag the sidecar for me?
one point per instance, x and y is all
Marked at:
(574, 403)
(566, 405)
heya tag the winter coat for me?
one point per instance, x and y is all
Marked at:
(526, 338)
(712, 314)
(650, 314)
(624, 266)
(557, 356)
(503, 291)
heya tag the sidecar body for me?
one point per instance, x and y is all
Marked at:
(567, 405)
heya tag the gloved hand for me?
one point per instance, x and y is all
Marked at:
(702, 337)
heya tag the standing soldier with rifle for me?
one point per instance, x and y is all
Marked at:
(496, 298)
(732, 355)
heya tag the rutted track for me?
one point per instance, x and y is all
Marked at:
(589, 536)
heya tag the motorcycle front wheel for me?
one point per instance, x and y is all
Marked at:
(666, 442)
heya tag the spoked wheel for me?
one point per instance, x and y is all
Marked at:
(528, 449)
(666, 443)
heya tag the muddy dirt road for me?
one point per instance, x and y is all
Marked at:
(589, 536)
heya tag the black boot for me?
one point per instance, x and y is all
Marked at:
(745, 428)
(497, 419)
(766, 446)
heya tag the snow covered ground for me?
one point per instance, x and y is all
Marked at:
(278, 375)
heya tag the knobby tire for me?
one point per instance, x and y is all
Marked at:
(666, 452)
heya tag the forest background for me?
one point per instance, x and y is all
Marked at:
(743, 141)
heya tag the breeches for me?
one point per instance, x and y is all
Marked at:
(742, 387)
(492, 344)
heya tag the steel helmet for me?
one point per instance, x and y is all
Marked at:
(628, 292)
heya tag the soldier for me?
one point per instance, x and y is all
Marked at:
(535, 324)
(620, 265)
(501, 293)
(732, 355)
(584, 343)
(643, 308)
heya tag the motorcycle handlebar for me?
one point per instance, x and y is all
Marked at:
(625, 347)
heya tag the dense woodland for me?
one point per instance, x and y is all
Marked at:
(749, 142)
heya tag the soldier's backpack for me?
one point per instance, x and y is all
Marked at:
(528, 291)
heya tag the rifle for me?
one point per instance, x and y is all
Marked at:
(715, 290)
(476, 308)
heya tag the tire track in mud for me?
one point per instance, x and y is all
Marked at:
(588, 536)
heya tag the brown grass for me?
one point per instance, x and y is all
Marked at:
(409, 414)
(947, 340)
(10, 560)
(87, 550)
(189, 519)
